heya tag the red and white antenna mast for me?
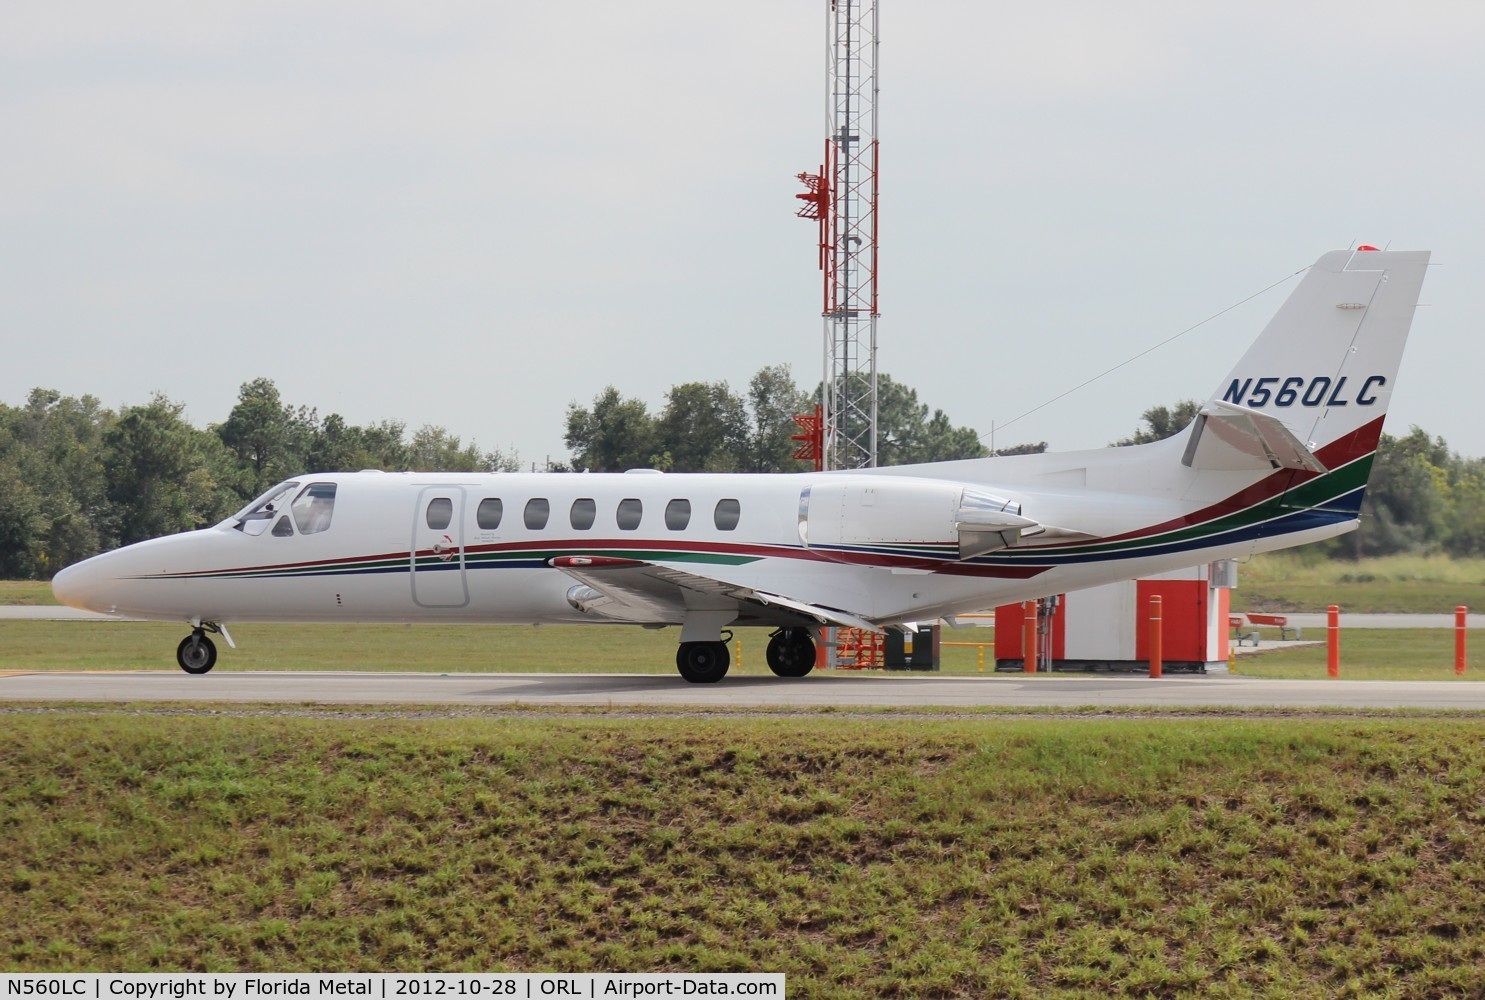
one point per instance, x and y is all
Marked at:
(843, 197)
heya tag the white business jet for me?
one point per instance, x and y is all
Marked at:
(1278, 456)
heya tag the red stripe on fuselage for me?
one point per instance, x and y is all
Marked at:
(1342, 451)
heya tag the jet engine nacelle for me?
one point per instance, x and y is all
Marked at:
(931, 518)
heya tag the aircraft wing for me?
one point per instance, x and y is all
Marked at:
(639, 591)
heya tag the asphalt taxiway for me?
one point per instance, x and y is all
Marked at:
(814, 692)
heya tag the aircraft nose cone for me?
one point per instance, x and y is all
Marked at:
(76, 586)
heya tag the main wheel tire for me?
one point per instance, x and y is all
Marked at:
(196, 654)
(791, 653)
(702, 662)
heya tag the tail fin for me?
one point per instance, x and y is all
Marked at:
(1312, 391)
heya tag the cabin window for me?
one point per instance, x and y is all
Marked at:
(313, 506)
(489, 513)
(440, 513)
(584, 513)
(678, 515)
(538, 510)
(630, 513)
(726, 515)
(283, 529)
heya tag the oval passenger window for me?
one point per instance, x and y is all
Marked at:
(727, 514)
(489, 513)
(440, 513)
(584, 512)
(537, 512)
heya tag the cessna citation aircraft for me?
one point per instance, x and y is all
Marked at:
(1278, 456)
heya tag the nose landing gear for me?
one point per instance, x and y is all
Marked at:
(196, 653)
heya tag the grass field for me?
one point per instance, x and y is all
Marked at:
(1300, 581)
(28, 592)
(105, 645)
(995, 857)
(1369, 655)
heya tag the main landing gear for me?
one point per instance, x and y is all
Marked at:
(703, 662)
(196, 653)
(791, 652)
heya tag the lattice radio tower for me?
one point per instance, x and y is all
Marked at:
(843, 197)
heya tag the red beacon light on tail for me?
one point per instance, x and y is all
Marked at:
(1367, 246)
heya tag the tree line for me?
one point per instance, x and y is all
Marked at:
(707, 427)
(77, 478)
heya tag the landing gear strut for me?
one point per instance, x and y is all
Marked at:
(703, 662)
(196, 654)
(791, 652)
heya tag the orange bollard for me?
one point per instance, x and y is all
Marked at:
(1028, 638)
(1333, 635)
(1157, 646)
(1461, 618)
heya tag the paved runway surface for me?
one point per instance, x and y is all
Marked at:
(629, 690)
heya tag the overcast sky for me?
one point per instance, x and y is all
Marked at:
(472, 214)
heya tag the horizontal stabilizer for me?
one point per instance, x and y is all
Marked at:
(1229, 437)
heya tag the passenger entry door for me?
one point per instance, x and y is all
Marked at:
(438, 549)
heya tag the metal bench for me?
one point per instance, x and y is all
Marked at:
(1275, 621)
(1236, 623)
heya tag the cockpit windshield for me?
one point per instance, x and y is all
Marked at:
(313, 507)
(256, 516)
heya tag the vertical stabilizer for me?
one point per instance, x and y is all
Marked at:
(1325, 366)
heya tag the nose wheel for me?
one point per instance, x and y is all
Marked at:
(196, 654)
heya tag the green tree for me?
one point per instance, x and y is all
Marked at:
(336, 446)
(1466, 528)
(55, 443)
(616, 434)
(1405, 509)
(907, 435)
(773, 400)
(1028, 448)
(159, 472)
(22, 526)
(1162, 422)
(434, 449)
(703, 428)
(268, 438)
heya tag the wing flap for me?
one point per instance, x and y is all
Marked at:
(639, 591)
